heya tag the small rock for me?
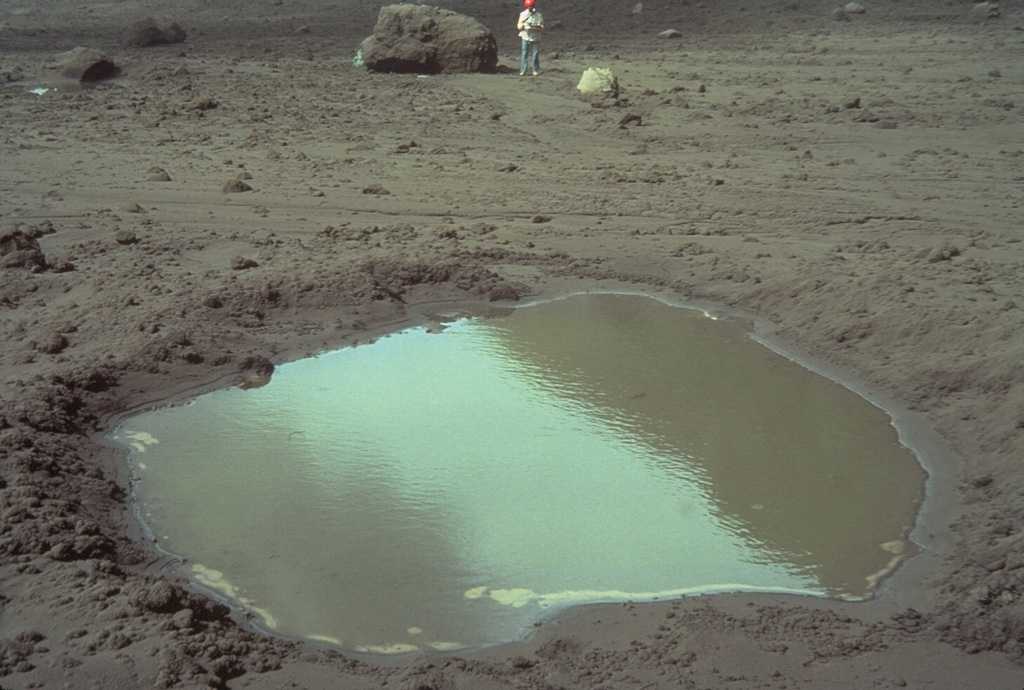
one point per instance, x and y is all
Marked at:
(181, 338)
(182, 620)
(240, 263)
(670, 33)
(986, 10)
(235, 186)
(944, 252)
(125, 237)
(204, 104)
(159, 597)
(521, 662)
(132, 207)
(630, 119)
(854, 8)
(375, 189)
(61, 265)
(503, 293)
(158, 175)
(52, 344)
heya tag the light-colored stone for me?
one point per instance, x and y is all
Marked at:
(986, 10)
(598, 80)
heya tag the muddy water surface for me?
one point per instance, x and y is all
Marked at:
(442, 490)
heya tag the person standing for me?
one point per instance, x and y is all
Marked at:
(530, 25)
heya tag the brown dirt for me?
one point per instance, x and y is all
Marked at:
(853, 182)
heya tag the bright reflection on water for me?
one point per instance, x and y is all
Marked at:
(446, 489)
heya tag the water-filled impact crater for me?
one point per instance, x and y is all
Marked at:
(448, 489)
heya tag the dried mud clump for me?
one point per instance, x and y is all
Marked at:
(392, 278)
(16, 652)
(161, 596)
(56, 409)
(503, 293)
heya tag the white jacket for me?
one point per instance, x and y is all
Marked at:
(530, 24)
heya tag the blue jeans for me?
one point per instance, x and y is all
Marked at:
(530, 56)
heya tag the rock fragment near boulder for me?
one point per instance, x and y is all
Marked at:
(241, 263)
(86, 65)
(420, 39)
(235, 187)
(20, 250)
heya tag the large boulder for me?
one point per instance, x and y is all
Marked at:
(420, 39)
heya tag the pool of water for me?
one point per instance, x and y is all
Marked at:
(448, 489)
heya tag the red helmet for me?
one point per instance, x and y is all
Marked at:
(527, 3)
